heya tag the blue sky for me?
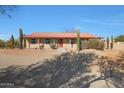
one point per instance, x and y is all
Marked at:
(99, 20)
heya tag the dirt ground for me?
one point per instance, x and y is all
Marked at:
(29, 56)
(113, 54)
(23, 57)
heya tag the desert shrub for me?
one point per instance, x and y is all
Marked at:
(16, 43)
(8, 44)
(41, 47)
(11, 43)
(53, 46)
(119, 38)
(93, 44)
(2, 43)
(102, 45)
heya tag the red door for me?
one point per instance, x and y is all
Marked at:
(60, 43)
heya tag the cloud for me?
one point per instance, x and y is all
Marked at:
(4, 36)
(105, 22)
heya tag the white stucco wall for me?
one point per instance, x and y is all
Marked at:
(66, 44)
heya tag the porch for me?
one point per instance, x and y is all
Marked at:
(61, 43)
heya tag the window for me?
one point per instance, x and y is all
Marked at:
(33, 41)
(47, 41)
(53, 41)
(72, 41)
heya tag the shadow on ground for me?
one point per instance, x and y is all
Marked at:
(66, 70)
(51, 73)
(112, 71)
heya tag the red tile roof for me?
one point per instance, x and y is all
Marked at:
(59, 35)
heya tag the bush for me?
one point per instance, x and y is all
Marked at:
(41, 47)
(102, 45)
(119, 38)
(53, 46)
(16, 43)
(2, 43)
(8, 44)
(93, 44)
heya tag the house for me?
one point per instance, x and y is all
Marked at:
(63, 40)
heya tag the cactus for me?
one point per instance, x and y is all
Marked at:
(112, 42)
(78, 40)
(107, 42)
(12, 41)
(112, 39)
(21, 38)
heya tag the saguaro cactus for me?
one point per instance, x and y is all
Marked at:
(78, 40)
(107, 42)
(112, 39)
(12, 41)
(21, 38)
(112, 42)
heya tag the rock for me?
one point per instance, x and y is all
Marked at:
(61, 50)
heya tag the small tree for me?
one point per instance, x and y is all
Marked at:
(21, 38)
(78, 40)
(12, 41)
(107, 42)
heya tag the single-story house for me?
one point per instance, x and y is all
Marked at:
(63, 40)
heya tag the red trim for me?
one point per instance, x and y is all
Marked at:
(60, 35)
